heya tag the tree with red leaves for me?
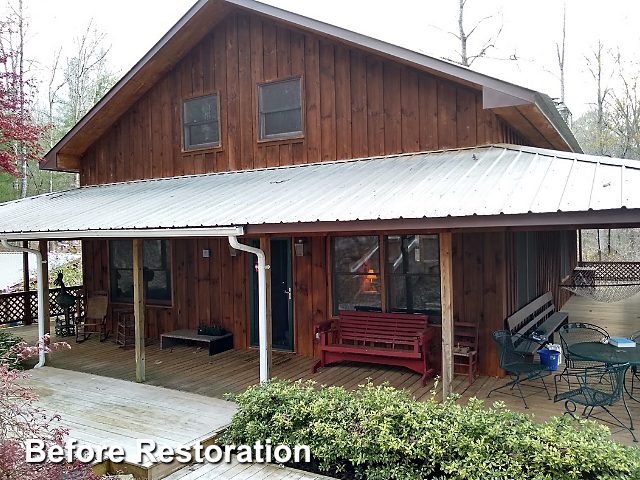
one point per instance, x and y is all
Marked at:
(19, 135)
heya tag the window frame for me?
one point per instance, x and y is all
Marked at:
(332, 274)
(262, 137)
(169, 272)
(389, 275)
(185, 136)
(384, 277)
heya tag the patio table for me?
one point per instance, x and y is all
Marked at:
(605, 353)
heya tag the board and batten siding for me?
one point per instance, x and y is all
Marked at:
(355, 104)
(215, 290)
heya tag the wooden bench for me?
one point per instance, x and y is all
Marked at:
(215, 344)
(383, 338)
(537, 320)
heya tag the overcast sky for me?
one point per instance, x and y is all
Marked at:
(530, 30)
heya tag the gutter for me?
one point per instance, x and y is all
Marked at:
(262, 303)
(127, 233)
(41, 265)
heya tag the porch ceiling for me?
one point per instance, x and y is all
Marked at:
(499, 186)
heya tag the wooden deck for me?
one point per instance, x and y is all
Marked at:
(105, 411)
(191, 369)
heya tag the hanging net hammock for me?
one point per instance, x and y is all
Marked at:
(605, 281)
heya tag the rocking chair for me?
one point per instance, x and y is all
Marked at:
(94, 317)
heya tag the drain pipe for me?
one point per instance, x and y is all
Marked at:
(262, 303)
(41, 265)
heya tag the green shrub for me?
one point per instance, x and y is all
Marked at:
(7, 342)
(382, 433)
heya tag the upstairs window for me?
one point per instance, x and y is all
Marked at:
(280, 109)
(200, 121)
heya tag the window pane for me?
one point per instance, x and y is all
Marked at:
(356, 273)
(412, 254)
(280, 96)
(203, 109)
(289, 121)
(356, 254)
(203, 134)
(413, 293)
(124, 284)
(157, 269)
(121, 253)
(356, 292)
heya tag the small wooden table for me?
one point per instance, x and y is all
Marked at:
(216, 343)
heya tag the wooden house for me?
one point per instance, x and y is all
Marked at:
(311, 140)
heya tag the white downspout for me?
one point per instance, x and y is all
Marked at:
(262, 303)
(41, 264)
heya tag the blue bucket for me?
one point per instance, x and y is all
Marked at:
(549, 358)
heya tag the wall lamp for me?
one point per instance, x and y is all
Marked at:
(301, 247)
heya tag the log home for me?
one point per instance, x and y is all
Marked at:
(372, 177)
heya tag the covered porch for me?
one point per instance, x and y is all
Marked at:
(190, 369)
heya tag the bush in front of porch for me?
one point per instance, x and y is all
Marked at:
(378, 432)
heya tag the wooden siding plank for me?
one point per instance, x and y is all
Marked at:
(466, 118)
(245, 91)
(302, 304)
(428, 98)
(283, 51)
(257, 76)
(269, 41)
(298, 149)
(220, 84)
(312, 97)
(342, 86)
(375, 107)
(392, 109)
(327, 101)
(233, 104)
(359, 137)
(447, 129)
(410, 101)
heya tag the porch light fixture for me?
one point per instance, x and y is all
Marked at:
(301, 247)
(232, 251)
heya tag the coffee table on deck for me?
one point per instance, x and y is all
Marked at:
(215, 343)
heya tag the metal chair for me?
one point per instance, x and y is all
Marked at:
(577, 332)
(512, 358)
(596, 387)
(94, 317)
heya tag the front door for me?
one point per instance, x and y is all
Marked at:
(281, 296)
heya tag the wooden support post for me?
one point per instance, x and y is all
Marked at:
(446, 298)
(138, 308)
(28, 320)
(265, 246)
(44, 251)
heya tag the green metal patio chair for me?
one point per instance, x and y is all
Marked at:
(512, 358)
(578, 332)
(595, 387)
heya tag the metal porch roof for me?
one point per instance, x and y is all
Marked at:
(490, 186)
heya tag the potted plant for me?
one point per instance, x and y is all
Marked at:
(215, 330)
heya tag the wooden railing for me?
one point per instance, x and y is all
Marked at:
(23, 306)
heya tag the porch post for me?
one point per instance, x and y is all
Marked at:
(44, 251)
(25, 285)
(138, 308)
(265, 246)
(446, 297)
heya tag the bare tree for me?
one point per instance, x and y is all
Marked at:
(560, 51)
(596, 68)
(86, 74)
(463, 37)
